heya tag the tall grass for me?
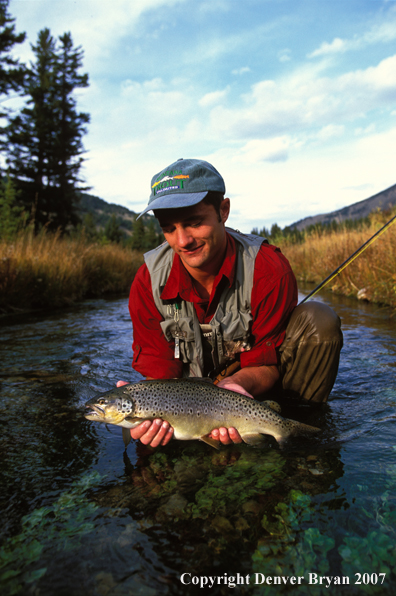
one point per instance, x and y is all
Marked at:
(49, 271)
(371, 276)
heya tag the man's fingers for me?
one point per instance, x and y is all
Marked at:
(226, 436)
(234, 435)
(161, 429)
(121, 383)
(157, 432)
(139, 431)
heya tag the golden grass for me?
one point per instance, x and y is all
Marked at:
(49, 271)
(371, 276)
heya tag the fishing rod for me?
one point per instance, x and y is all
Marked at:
(350, 259)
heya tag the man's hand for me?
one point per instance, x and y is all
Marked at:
(153, 433)
(227, 436)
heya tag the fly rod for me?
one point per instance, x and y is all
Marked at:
(350, 259)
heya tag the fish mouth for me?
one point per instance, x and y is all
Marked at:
(96, 410)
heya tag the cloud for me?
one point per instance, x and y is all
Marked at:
(284, 55)
(240, 71)
(306, 101)
(330, 131)
(271, 150)
(213, 97)
(379, 33)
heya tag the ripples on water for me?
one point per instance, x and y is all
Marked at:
(80, 516)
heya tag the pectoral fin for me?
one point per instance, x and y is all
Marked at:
(253, 439)
(126, 435)
(212, 442)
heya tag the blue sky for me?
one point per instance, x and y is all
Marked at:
(293, 101)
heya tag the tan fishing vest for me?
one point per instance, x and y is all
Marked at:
(231, 323)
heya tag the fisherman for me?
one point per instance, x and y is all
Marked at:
(211, 300)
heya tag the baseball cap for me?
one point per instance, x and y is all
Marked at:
(182, 184)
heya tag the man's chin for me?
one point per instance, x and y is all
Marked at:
(194, 261)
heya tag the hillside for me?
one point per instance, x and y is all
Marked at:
(102, 212)
(382, 200)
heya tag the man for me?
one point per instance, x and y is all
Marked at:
(211, 296)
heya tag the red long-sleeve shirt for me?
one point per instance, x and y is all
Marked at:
(274, 296)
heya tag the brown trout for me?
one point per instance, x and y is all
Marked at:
(194, 408)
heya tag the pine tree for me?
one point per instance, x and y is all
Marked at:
(11, 219)
(11, 72)
(72, 126)
(112, 230)
(44, 140)
(138, 234)
(151, 239)
(31, 133)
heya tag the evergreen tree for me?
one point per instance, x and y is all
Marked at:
(151, 239)
(138, 234)
(89, 228)
(11, 72)
(31, 133)
(72, 126)
(112, 230)
(10, 212)
(44, 140)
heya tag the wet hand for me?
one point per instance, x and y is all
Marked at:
(226, 436)
(153, 433)
(230, 435)
(233, 386)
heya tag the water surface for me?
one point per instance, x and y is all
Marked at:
(81, 516)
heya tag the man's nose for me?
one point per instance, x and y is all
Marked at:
(184, 237)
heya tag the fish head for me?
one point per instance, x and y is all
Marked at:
(110, 411)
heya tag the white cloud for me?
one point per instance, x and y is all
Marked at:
(213, 98)
(337, 45)
(272, 108)
(284, 55)
(272, 150)
(331, 131)
(383, 32)
(240, 71)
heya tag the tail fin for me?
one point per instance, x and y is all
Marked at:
(299, 428)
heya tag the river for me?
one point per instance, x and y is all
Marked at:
(81, 516)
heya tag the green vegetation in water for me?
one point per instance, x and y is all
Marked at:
(289, 549)
(375, 552)
(225, 492)
(296, 545)
(57, 528)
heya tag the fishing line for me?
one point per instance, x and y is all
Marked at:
(350, 259)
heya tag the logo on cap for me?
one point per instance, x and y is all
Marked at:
(165, 183)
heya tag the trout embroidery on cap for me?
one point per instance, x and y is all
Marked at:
(167, 183)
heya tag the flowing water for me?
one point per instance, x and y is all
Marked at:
(81, 516)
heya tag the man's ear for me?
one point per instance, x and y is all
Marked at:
(224, 210)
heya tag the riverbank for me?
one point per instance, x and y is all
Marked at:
(50, 271)
(371, 276)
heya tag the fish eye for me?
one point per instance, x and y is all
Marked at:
(103, 401)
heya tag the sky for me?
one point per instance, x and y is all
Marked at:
(293, 101)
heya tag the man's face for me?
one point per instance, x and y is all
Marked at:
(196, 234)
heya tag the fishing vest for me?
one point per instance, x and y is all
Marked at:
(230, 328)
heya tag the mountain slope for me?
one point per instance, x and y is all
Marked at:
(102, 212)
(383, 200)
